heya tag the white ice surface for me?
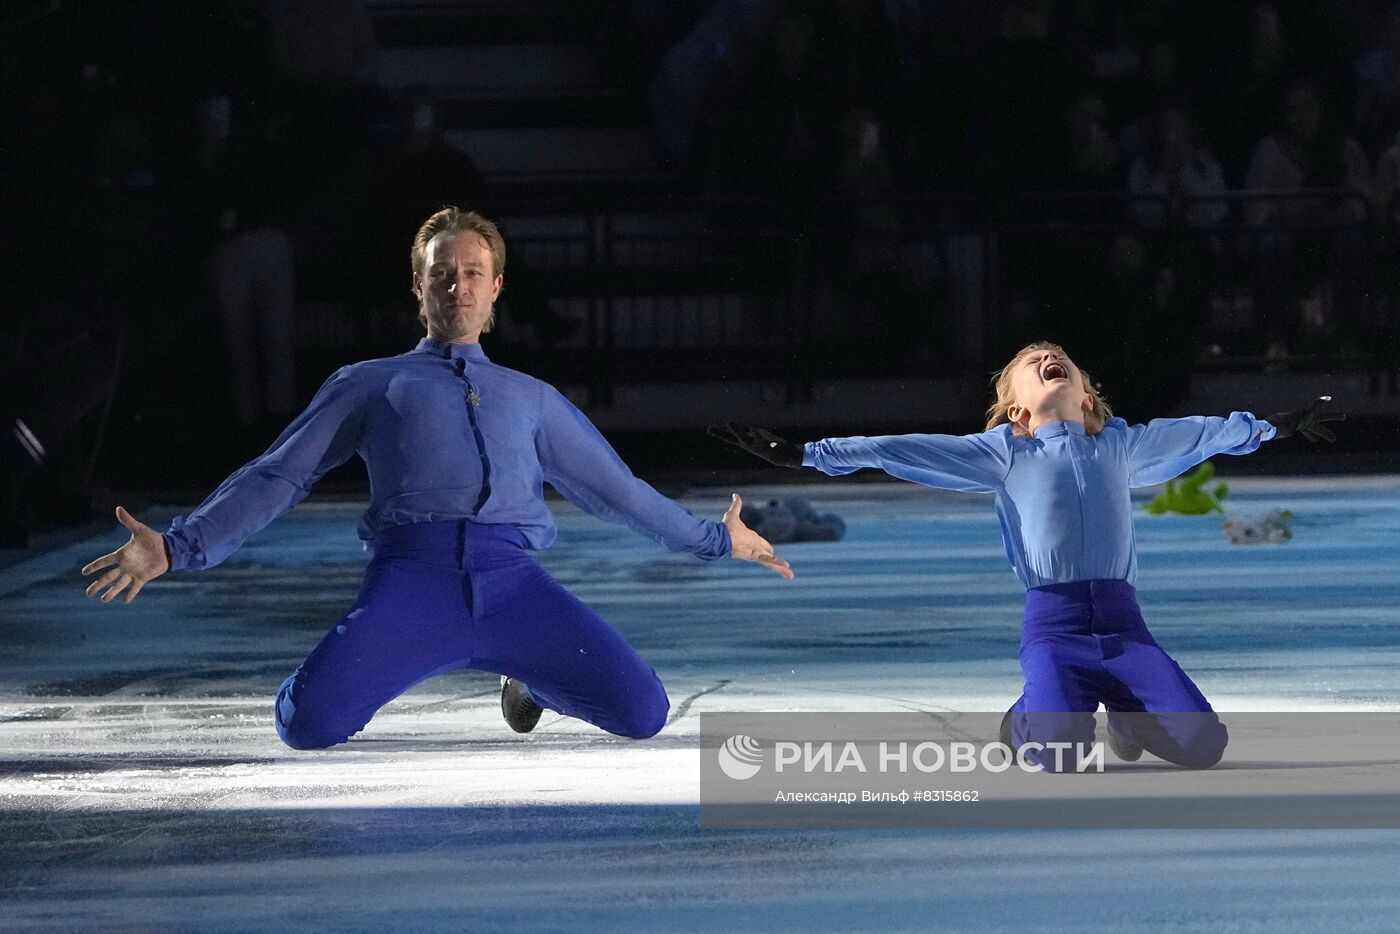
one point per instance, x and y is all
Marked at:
(142, 786)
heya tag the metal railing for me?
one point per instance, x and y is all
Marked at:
(911, 285)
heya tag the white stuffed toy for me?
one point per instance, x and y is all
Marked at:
(1274, 529)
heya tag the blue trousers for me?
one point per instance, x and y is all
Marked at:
(1086, 643)
(442, 596)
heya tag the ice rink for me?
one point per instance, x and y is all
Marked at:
(142, 787)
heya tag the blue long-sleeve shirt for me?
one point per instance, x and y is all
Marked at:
(446, 434)
(1061, 496)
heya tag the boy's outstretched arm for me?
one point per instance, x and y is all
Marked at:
(970, 463)
(1306, 421)
(1167, 447)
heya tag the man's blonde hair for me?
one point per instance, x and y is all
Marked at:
(454, 218)
(1094, 419)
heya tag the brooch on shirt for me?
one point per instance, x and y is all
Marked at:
(472, 396)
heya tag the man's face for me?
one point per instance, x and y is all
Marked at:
(458, 286)
(1046, 380)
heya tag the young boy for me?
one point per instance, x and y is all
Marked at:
(1060, 466)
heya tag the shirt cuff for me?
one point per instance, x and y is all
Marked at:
(726, 543)
(177, 548)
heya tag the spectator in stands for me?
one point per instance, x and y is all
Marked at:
(326, 66)
(865, 166)
(1095, 161)
(858, 39)
(884, 287)
(1177, 168)
(1309, 150)
(786, 134)
(1312, 250)
(1101, 34)
(1386, 183)
(236, 214)
(1019, 94)
(1247, 86)
(1161, 74)
(1138, 301)
(1158, 87)
(327, 46)
(640, 33)
(1133, 64)
(702, 76)
(175, 52)
(1382, 337)
(1378, 85)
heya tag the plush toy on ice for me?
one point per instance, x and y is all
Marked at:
(793, 520)
(1188, 498)
(1274, 529)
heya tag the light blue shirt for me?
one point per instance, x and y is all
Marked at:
(446, 434)
(1061, 496)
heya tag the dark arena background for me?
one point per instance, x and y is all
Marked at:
(826, 217)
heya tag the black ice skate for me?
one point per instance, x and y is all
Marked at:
(1124, 749)
(1004, 734)
(520, 712)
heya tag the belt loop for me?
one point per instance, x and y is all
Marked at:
(461, 543)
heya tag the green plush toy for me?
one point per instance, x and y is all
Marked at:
(1188, 498)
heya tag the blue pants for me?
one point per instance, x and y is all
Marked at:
(441, 596)
(1084, 643)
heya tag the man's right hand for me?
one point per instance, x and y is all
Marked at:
(760, 442)
(132, 565)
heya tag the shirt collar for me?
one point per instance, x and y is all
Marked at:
(472, 352)
(1055, 429)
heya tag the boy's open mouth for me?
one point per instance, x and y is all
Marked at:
(1053, 371)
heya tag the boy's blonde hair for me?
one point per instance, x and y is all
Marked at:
(1094, 419)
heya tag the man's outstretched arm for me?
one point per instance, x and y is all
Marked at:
(578, 461)
(322, 437)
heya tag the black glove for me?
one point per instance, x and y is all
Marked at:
(1307, 422)
(760, 442)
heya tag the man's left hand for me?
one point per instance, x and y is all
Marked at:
(748, 545)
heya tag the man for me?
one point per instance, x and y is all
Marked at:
(457, 449)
